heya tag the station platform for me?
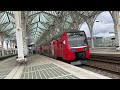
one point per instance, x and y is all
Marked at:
(42, 67)
(104, 50)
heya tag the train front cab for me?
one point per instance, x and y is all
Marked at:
(70, 54)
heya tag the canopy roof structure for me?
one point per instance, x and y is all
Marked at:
(44, 25)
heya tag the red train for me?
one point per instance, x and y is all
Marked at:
(70, 46)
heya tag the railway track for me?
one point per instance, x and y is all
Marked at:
(103, 72)
(7, 56)
(106, 62)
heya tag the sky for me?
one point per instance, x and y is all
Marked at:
(101, 28)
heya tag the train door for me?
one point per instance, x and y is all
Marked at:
(52, 48)
(50, 52)
(58, 47)
(55, 49)
(40, 50)
(62, 46)
(43, 47)
(0, 52)
(65, 49)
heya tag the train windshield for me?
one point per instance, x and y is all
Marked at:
(76, 39)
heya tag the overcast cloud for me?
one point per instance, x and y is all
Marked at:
(102, 27)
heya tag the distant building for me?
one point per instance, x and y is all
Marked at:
(108, 40)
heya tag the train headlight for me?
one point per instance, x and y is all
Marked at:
(73, 50)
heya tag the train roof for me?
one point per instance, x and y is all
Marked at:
(66, 30)
(73, 30)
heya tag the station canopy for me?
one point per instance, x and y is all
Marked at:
(40, 22)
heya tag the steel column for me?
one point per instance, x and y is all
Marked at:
(24, 34)
(90, 26)
(19, 36)
(117, 29)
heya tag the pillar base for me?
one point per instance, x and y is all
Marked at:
(117, 48)
(20, 60)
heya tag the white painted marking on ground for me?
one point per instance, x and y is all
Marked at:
(19, 72)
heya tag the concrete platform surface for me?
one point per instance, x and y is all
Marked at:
(42, 67)
(7, 66)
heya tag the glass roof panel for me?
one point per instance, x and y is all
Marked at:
(36, 19)
(4, 19)
(11, 18)
(1, 14)
(69, 19)
(40, 25)
(49, 18)
(10, 26)
(12, 31)
(43, 20)
(38, 29)
(66, 26)
(34, 26)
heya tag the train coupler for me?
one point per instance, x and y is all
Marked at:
(76, 63)
(117, 48)
(83, 61)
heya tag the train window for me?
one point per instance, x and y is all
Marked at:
(75, 34)
(76, 39)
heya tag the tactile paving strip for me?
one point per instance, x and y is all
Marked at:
(46, 71)
(4, 73)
